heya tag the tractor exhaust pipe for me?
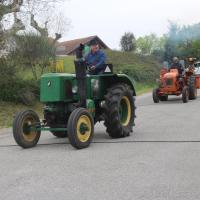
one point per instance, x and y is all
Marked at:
(80, 69)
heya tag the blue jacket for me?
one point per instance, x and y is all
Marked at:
(96, 59)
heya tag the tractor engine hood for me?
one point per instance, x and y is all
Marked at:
(172, 74)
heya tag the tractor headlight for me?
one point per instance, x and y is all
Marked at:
(95, 86)
(49, 83)
(75, 89)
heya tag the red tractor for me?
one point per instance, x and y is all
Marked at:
(171, 82)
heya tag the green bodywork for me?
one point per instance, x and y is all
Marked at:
(59, 93)
(61, 87)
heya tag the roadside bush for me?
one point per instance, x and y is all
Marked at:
(14, 89)
(142, 76)
(141, 68)
(21, 91)
(34, 52)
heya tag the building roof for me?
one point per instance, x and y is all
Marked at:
(72, 45)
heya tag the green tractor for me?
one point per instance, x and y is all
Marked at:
(74, 103)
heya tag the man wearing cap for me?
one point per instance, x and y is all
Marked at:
(177, 65)
(95, 59)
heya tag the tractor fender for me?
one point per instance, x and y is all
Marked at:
(123, 78)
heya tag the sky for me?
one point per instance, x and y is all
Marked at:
(110, 19)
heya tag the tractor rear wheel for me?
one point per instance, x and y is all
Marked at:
(192, 88)
(119, 111)
(185, 94)
(156, 98)
(80, 128)
(23, 135)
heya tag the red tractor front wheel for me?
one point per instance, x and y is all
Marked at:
(155, 95)
(185, 94)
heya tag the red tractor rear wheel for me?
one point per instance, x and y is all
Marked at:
(192, 88)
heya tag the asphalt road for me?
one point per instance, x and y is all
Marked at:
(159, 161)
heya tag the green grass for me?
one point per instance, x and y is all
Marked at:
(68, 63)
(27, 74)
(9, 109)
(142, 88)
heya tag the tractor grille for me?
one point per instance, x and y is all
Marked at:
(169, 82)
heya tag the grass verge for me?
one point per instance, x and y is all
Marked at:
(142, 88)
(8, 110)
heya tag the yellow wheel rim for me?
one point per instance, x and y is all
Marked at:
(125, 111)
(84, 121)
(27, 133)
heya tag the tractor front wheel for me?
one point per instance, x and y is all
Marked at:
(185, 94)
(156, 98)
(119, 111)
(22, 132)
(80, 128)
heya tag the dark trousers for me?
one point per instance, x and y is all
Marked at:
(82, 91)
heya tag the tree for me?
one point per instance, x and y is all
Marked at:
(182, 41)
(150, 44)
(25, 12)
(195, 49)
(7, 7)
(128, 42)
(35, 52)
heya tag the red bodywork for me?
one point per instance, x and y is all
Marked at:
(171, 83)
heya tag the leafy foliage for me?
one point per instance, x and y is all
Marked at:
(33, 51)
(150, 44)
(141, 68)
(128, 42)
(12, 87)
(182, 41)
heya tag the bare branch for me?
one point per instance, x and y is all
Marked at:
(42, 31)
(17, 26)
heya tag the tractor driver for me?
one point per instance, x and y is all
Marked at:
(177, 65)
(95, 59)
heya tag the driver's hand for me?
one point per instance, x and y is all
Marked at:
(92, 68)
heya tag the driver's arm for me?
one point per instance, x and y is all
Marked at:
(102, 59)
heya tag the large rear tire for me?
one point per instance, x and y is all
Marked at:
(119, 111)
(23, 136)
(192, 88)
(155, 96)
(80, 128)
(185, 94)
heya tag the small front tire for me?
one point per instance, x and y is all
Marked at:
(80, 128)
(155, 95)
(185, 94)
(22, 123)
